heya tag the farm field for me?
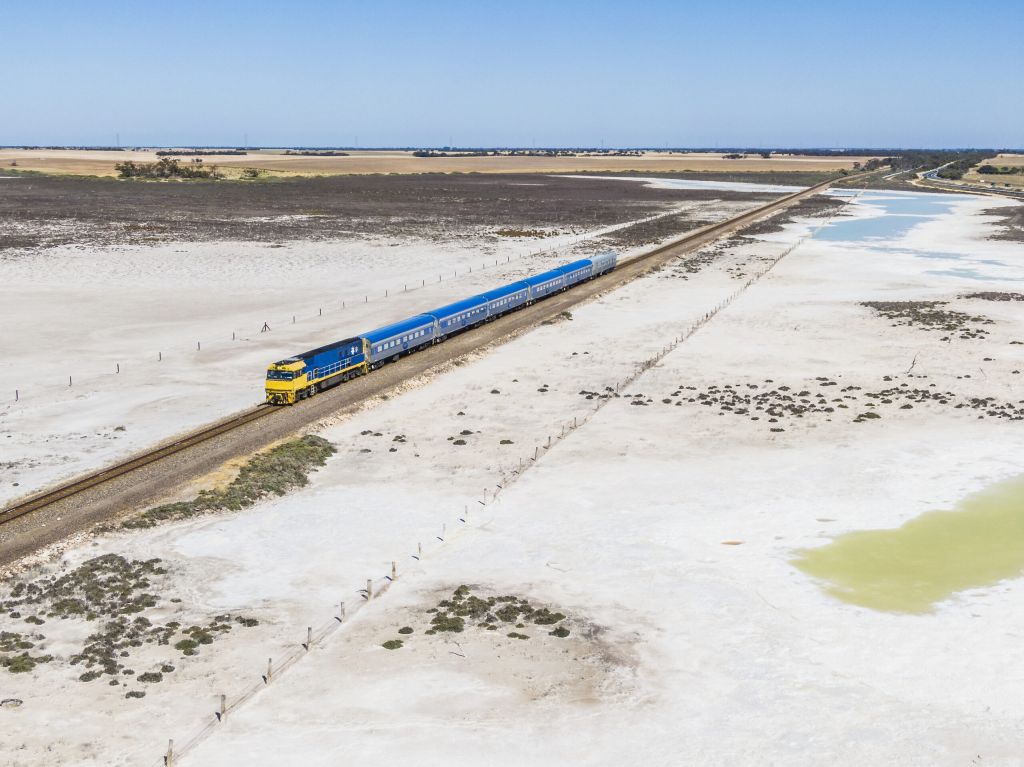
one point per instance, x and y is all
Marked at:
(637, 531)
(277, 164)
(1012, 180)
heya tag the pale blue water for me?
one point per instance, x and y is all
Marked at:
(900, 215)
(897, 215)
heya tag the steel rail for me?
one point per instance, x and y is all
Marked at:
(180, 444)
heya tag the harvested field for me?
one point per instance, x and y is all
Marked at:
(48, 211)
(277, 163)
(1011, 180)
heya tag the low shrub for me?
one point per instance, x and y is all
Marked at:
(274, 472)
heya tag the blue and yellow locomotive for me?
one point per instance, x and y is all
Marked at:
(303, 375)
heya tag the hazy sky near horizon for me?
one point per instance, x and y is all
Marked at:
(898, 73)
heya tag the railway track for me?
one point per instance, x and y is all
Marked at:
(364, 387)
(40, 500)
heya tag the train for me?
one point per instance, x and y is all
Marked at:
(296, 378)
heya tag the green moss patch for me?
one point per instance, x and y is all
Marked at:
(274, 472)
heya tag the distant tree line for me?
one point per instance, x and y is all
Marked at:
(317, 153)
(956, 161)
(80, 148)
(198, 152)
(450, 152)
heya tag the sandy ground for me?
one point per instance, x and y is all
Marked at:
(101, 163)
(662, 530)
(144, 309)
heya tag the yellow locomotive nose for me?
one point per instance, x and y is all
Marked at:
(284, 380)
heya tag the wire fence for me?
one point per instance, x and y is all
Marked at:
(376, 587)
(329, 308)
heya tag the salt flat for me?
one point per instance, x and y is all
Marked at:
(181, 320)
(662, 527)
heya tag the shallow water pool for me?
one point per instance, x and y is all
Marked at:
(912, 568)
(899, 215)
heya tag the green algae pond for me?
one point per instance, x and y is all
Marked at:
(912, 568)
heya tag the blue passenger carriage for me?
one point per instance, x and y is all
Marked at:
(458, 316)
(506, 298)
(604, 262)
(299, 377)
(545, 283)
(577, 271)
(390, 342)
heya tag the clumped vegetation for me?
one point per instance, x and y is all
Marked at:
(991, 295)
(275, 472)
(655, 230)
(1001, 170)
(930, 315)
(438, 207)
(464, 609)
(114, 593)
(166, 168)
(774, 405)
(1011, 221)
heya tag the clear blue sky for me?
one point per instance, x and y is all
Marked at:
(393, 73)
